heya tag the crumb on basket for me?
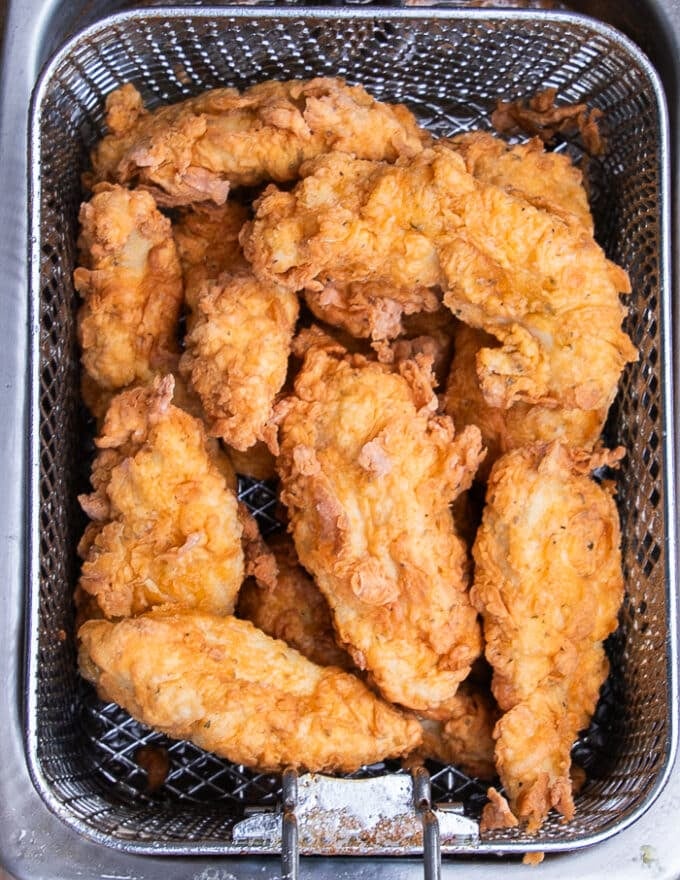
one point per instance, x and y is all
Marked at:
(533, 858)
(538, 116)
(155, 760)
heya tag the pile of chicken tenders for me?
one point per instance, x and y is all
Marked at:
(298, 282)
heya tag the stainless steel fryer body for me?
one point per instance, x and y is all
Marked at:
(655, 553)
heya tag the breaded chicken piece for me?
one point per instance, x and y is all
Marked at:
(236, 356)
(548, 583)
(207, 243)
(292, 608)
(368, 472)
(231, 689)
(165, 525)
(546, 180)
(545, 290)
(352, 220)
(520, 425)
(131, 282)
(541, 285)
(98, 402)
(465, 739)
(195, 150)
(368, 309)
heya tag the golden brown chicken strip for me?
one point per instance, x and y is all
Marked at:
(520, 425)
(292, 608)
(98, 402)
(465, 738)
(197, 149)
(546, 180)
(548, 584)
(236, 356)
(541, 285)
(233, 690)
(207, 243)
(165, 525)
(131, 283)
(368, 472)
(369, 309)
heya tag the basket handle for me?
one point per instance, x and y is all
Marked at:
(389, 814)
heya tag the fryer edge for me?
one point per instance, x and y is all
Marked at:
(16, 799)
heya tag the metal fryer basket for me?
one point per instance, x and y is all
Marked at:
(449, 67)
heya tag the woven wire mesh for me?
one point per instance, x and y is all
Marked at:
(87, 752)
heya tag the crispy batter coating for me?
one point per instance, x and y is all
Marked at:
(546, 180)
(197, 149)
(292, 608)
(548, 584)
(131, 283)
(352, 220)
(207, 243)
(165, 526)
(423, 333)
(368, 472)
(520, 425)
(367, 309)
(466, 737)
(233, 690)
(236, 356)
(541, 285)
(257, 461)
(544, 288)
(98, 402)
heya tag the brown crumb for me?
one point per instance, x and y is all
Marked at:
(533, 858)
(156, 761)
(497, 813)
(541, 118)
(182, 75)
(578, 778)
(61, 635)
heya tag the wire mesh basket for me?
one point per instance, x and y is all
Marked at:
(449, 67)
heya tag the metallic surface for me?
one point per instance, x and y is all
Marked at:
(35, 843)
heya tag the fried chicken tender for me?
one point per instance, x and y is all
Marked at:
(234, 691)
(195, 150)
(351, 220)
(131, 283)
(292, 608)
(368, 309)
(546, 180)
(165, 525)
(548, 583)
(368, 472)
(541, 285)
(236, 356)
(98, 402)
(520, 425)
(465, 739)
(207, 243)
